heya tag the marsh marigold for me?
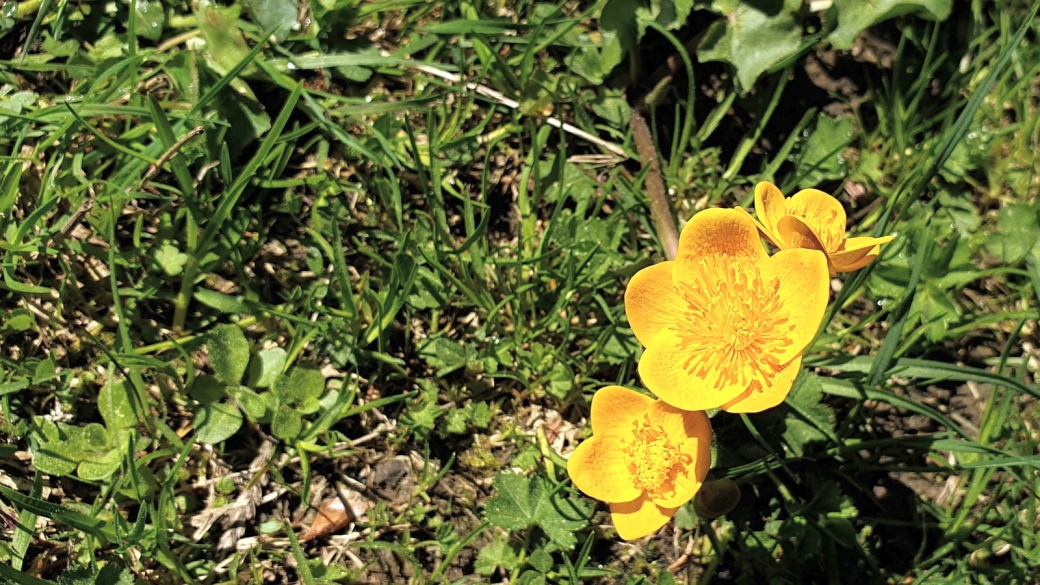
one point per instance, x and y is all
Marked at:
(815, 220)
(645, 459)
(724, 324)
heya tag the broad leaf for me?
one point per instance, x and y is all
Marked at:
(1018, 230)
(522, 502)
(823, 158)
(266, 367)
(216, 422)
(753, 37)
(286, 423)
(498, 554)
(114, 404)
(854, 16)
(809, 421)
(228, 353)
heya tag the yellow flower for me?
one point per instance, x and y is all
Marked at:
(645, 459)
(724, 324)
(813, 219)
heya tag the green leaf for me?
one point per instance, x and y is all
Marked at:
(1018, 231)
(823, 158)
(937, 312)
(753, 37)
(522, 502)
(266, 367)
(220, 302)
(809, 421)
(114, 404)
(150, 18)
(11, 575)
(224, 41)
(497, 554)
(94, 526)
(286, 423)
(301, 386)
(252, 403)
(207, 389)
(530, 577)
(100, 467)
(855, 16)
(422, 418)
(276, 17)
(216, 422)
(228, 353)
(48, 456)
(171, 259)
(445, 355)
(541, 561)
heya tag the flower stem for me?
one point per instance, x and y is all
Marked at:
(660, 210)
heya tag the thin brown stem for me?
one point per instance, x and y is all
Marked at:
(660, 210)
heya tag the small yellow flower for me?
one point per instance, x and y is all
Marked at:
(815, 220)
(645, 459)
(724, 324)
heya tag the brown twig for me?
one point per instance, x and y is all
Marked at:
(660, 210)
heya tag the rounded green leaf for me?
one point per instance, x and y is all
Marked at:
(100, 467)
(300, 385)
(228, 353)
(206, 389)
(286, 423)
(216, 422)
(266, 367)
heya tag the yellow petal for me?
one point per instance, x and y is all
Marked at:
(652, 302)
(615, 408)
(597, 467)
(757, 400)
(717, 234)
(804, 290)
(680, 425)
(796, 234)
(858, 252)
(822, 213)
(663, 371)
(851, 265)
(769, 207)
(860, 243)
(689, 481)
(639, 517)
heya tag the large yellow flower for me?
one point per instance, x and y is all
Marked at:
(645, 459)
(815, 220)
(724, 324)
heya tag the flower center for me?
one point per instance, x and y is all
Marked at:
(734, 324)
(654, 459)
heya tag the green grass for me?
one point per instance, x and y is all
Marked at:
(244, 279)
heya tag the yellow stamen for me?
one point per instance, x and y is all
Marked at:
(734, 324)
(653, 459)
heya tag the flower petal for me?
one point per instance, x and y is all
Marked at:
(797, 234)
(598, 468)
(804, 290)
(757, 400)
(680, 425)
(663, 371)
(690, 480)
(615, 408)
(769, 207)
(639, 517)
(723, 234)
(822, 212)
(855, 254)
(652, 302)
